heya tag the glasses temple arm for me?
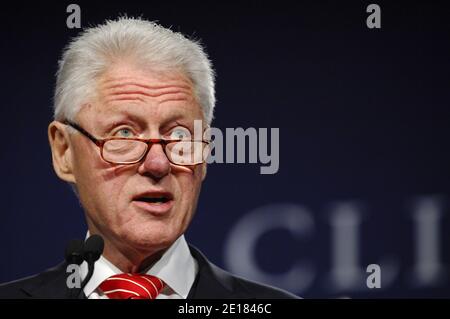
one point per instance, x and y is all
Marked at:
(83, 131)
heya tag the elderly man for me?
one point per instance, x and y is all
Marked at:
(127, 95)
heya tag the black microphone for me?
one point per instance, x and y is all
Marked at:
(93, 249)
(74, 252)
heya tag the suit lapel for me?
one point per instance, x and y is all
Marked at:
(211, 282)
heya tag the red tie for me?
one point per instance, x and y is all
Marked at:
(132, 286)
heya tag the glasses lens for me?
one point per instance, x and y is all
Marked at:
(123, 151)
(185, 152)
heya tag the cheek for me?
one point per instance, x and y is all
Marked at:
(189, 187)
(111, 186)
(102, 185)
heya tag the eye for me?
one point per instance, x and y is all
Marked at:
(124, 132)
(180, 133)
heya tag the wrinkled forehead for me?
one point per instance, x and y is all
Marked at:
(144, 94)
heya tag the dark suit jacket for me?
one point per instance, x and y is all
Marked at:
(211, 283)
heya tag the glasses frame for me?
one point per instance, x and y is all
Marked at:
(100, 142)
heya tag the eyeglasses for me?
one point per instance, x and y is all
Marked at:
(124, 150)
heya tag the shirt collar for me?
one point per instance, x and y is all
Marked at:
(176, 267)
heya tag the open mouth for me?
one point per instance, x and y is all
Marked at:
(154, 198)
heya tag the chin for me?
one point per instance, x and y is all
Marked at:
(150, 238)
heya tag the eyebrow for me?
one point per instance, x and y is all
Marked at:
(116, 119)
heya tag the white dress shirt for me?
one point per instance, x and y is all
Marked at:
(176, 267)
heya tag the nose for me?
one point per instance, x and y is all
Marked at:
(156, 164)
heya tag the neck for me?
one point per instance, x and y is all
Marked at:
(128, 259)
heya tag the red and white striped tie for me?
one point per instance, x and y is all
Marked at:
(132, 286)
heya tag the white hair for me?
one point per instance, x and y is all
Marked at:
(147, 43)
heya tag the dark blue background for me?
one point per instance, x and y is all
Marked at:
(363, 115)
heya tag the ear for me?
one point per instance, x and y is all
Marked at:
(59, 140)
